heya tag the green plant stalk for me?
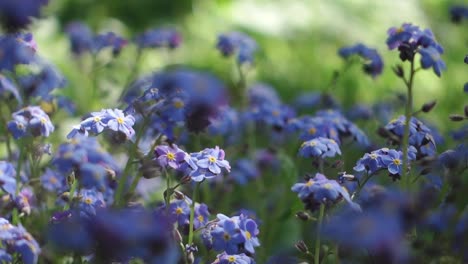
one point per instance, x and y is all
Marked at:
(133, 73)
(408, 114)
(192, 213)
(317, 240)
(128, 166)
(167, 197)
(73, 188)
(15, 216)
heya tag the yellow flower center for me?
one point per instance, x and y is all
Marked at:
(400, 29)
(373, 156)
(397, 162)
(248, 235)
(88, 201)
(275, 113)
(312, 143)
(120, 120)
(170, 156)
(328, 186)
(178, 104)
(43, 120)
(226, 236)
(231, 259)
(97, 119)
(201, 218)
(310, 183)
(312, 130)
(178, 211)
(212, 159)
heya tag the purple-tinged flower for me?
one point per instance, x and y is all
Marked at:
(109, 39)
(320, 190)
(171, 156)
(53, 181)
(393, 161)
(430, 57)
(120, 122)
(373, 63)
(227, 235)
(458, 13)
(90, 201)
(7, 87)
(23, 201)
(32, 120)
(320, 147)
(159, 38)
(7, 177)
(225, 258)
(179, 211)
(81, 38)
(16, 239)
(249, 231)
(41, 84)
(232, 42)
(213, 160)
(18, 14)
(15, 51)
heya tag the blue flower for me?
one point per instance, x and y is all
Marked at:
(52, 181)
(7, 177)
(16, 15)
(393, 161)
(171, 156)
(430, 57)
(81, 37)
(458, 13)
(227, 235)
(232, 42)
(320, 190)
(42, 83)
(7, 87)
(249, 231)
(320, 147)
(109, 39)
(90, 201)
(30, 120)
(213, 160)
(244, 170)
(373, 63)
(159, 38)
(225, 258)
(17, 240)
(15, 51)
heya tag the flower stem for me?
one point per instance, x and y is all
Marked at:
(317, 240)
(73, 188)
(192, 213)
(133, 73)
(408, 113)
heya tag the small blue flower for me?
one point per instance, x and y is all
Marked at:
(16, 15)
(171, 156)
(7, 87)
(213, 160)
(32, 120)
(225, 258)
(7, 177)
(159, 38)
(53, 181)
(232, 42)
(227, 235)
(320, 147)
(81, 37)
(430, 57)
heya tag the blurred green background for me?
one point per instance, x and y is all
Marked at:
(298, 43)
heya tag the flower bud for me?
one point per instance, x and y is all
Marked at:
(427, 107)
(456, 117)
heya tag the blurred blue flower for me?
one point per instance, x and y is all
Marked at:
(319, 147)
(18, 14)
(7, 177)
(15, 50)
(244, 170)
(159, 38)
(225, 258)
(52, 181)
(16, 239)
(109, 39)
(458, 13)
(81, 37)
(30, 120)
(41, 84)
(373, 63)
(430, 57)
(237, 42)
(7, 87)
(320, 190)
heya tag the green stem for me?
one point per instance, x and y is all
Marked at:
(192, 213)
(128, 165)
(317, 240)
(94, 80)
(15, 216)
(408, 112)
(167, 197)
(73, 188)
(7, 134)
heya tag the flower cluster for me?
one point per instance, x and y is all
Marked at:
(159, 38)
(82, 40)
(420, 136)
(31, 120)
(320, 147)
(107, 119)
(225, 258)
(410, 39)
(16, 240)
(373, 63)
(384, 159)
(179, 212)
(234, 235)
(320, 190)
(237, 42)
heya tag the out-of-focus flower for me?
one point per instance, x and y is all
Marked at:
(320, 190)
(430, 57)
(7, 88)
(159, 38)
(18, 14)
(373, 63)
(16, 240)
(30, 120)
(7, 177)
(237, 42)
(225, 258)
(244, 170)
(207, 163)
(320, 147)
(16, 49)
(109, 39)
(41, 84)
(458, 13)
